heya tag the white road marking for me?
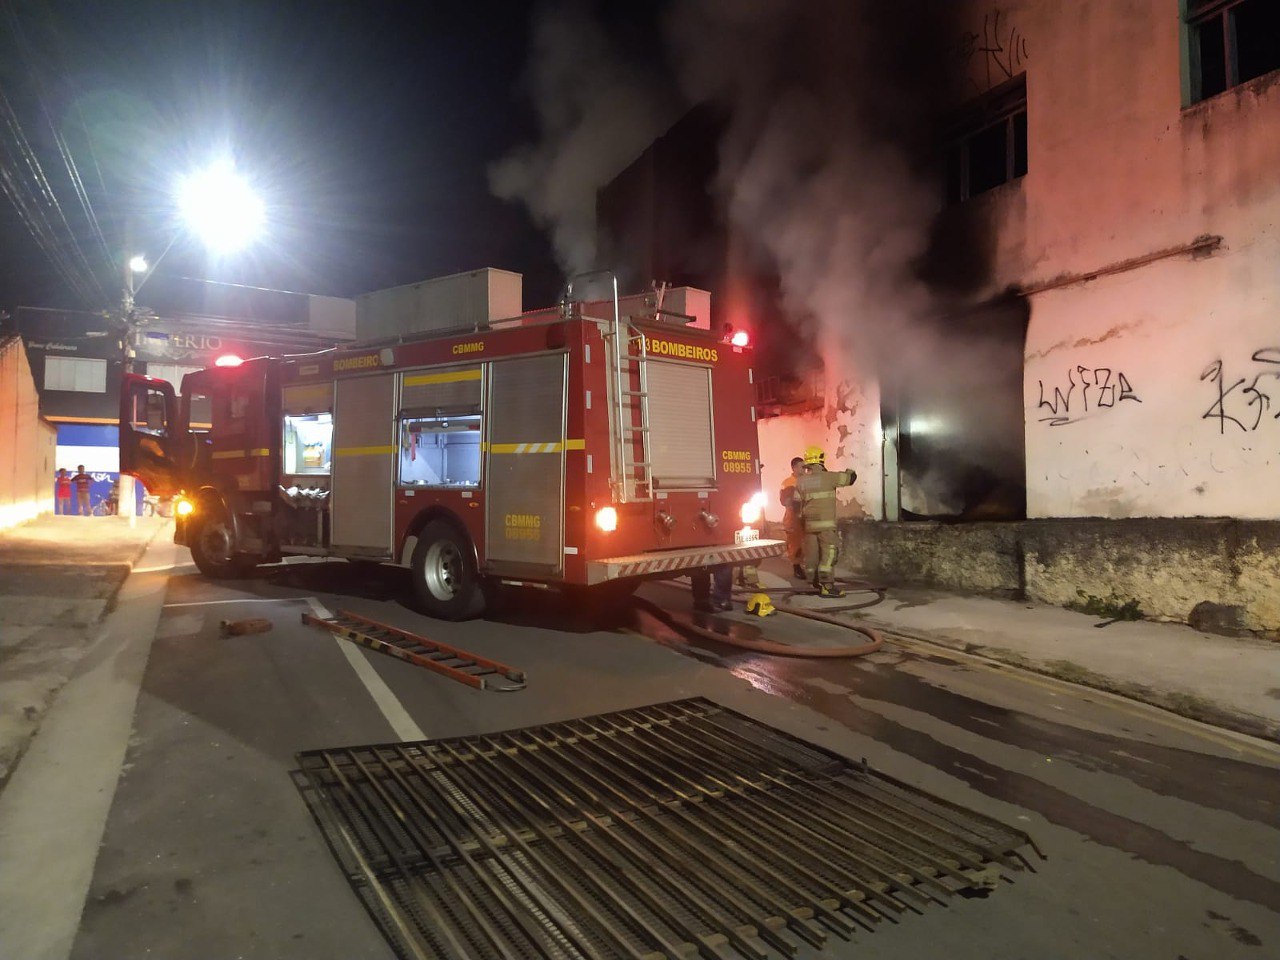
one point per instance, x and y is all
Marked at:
(404, 726)
(209, 603)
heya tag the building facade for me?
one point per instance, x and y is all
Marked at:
(27, 450)
(77, 358)
(1103, 377)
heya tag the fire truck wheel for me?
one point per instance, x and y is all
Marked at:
(445, 578)
(211, 541)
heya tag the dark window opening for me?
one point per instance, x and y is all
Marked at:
(1231, 43)
(989, 142)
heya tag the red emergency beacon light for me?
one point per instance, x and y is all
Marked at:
(740, 338)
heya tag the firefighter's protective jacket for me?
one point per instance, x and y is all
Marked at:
(816, 494)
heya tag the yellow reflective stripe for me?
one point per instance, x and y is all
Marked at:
(553, 446)
(453, 376)
(363, 451)
(239, 454)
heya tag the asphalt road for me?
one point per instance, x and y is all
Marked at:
(1162, 836)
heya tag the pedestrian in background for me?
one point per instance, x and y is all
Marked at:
(82, 482)
(62, 494)
(792, 524)
(816, 493)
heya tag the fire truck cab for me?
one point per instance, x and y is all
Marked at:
(571, 448)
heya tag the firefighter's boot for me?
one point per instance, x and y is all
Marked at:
(830, 591)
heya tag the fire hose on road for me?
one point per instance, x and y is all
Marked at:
(874, 640)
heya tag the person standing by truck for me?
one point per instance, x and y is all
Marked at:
(792, 523)
(816, 496)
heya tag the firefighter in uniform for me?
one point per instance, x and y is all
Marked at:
(791, 522)
(816, 501)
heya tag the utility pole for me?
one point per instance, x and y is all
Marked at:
(127, 502)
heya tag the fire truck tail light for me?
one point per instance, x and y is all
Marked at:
(607, 519)
(740, 338)
(753, 509)
(228, 360)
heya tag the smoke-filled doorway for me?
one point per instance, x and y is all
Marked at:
(952, 418)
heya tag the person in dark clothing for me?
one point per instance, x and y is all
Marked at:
(713, 589)
(82, 482)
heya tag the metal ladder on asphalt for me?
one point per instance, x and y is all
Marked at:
(451, 662)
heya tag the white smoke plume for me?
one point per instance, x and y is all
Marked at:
(597, 110)
(829, 173)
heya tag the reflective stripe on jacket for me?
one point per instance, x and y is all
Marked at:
(816, 492)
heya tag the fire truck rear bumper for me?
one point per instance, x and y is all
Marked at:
(670, 563)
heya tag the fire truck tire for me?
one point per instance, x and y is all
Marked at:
(211, 544)
(445, 579)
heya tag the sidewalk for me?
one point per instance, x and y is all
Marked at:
(1228, 682)
(58, 577)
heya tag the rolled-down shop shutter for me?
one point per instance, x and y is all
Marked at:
(451, 389)
(304, 399)
(525, 491)
(363, 463)
(681, 441)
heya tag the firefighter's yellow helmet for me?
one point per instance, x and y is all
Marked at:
(814, 455)
(760, 605)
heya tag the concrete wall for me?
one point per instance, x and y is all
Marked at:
(1219, 575)
(26, 442)
(848, 429)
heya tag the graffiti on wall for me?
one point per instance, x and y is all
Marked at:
(1101, 388)
(1245, 401)
(997, 53)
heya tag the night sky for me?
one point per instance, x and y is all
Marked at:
(367, 127)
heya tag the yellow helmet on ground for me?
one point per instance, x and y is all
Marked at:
(814, 455)
(760, 605)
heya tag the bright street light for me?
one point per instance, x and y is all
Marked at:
(220, 207)
(138, 264)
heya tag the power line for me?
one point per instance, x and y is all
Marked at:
(77, 271)
(28, 205)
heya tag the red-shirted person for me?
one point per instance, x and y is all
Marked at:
(62, 494)
(82, 482)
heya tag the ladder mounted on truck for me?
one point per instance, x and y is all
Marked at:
(632, 465)
(452, 662)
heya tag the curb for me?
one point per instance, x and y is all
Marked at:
(109, 607)
(1185, 705)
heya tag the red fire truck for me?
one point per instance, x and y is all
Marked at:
(572, 448)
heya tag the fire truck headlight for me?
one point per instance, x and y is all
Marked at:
(184, 508)
(607, 519)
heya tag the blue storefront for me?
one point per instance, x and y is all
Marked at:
(96, 446)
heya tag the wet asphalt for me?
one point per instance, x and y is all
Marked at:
(1161, 836)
